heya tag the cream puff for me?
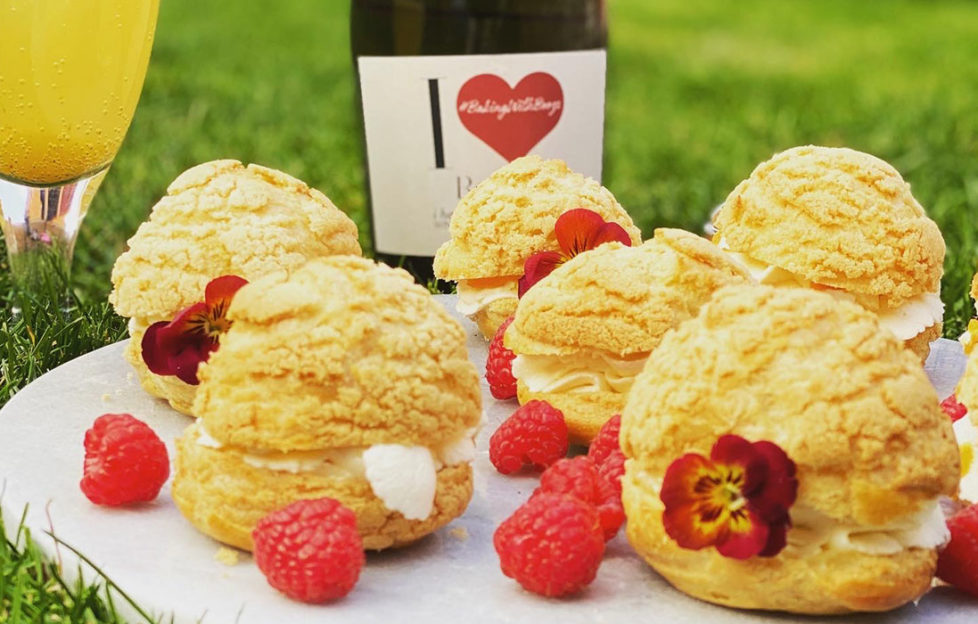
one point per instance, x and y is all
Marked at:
(504, 220)
(218, 218)
(342, 379)
(583, 333)
(786, 452)
(844, 222)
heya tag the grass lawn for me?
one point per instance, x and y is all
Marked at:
(698, 93)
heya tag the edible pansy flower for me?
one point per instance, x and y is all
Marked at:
(737, 500)
(179, 346)
(577, 231)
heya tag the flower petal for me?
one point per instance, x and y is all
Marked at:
(777, 539)
(679, 483)
(780, 487)
(745, 536)
(220, 290)
(186, 362)
(154, 357)
(576, 229)
(188, 327)
(537, 267)
(688, 528)
(611, 232)
(732, 449)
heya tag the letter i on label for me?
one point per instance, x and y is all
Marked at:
(437, 125)
(440, 179)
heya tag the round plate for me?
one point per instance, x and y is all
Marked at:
(170, 569)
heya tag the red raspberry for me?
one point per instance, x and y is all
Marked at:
(499, 366)
(957, 564)
(606, 452)
(552, 545)
(578, 477)
(535, 434)
(953, 408)
(125, 461)
(310, 550)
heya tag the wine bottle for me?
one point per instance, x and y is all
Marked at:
(451, 90)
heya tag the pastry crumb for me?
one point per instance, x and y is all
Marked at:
(460, 533)
(227, 556)
(106, 397)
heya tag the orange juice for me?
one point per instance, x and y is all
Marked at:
(70, 77)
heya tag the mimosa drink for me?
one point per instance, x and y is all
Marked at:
(70, 75)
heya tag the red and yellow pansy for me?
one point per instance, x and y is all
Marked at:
(178, 347)
(577, 231)
(737, 500)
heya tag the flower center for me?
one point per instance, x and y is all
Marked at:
(721, 490)
(217, 325)
(210, 324)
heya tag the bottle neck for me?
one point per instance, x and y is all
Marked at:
(433, 27)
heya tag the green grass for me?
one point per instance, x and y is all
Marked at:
(54, 325)
(698, 93)
(32, 589)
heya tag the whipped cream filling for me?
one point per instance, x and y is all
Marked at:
(403, 477)
(578, 373)
(905, 321)
(812, 530)
(472, 297)
(966, 434)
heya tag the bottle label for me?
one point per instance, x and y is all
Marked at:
(438, 125)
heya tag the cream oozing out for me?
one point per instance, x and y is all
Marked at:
(595, 372)
(473, 297)
(905, 321)
(403, 477)
(813, 530)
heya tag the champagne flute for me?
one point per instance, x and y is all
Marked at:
(70, 76)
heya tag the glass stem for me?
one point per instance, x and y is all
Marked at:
(41, 223)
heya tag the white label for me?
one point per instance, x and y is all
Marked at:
(438, 125)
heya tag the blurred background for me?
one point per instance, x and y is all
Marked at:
(699, 92)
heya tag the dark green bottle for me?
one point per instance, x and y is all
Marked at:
(450, 90)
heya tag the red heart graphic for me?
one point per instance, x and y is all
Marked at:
(510, 120)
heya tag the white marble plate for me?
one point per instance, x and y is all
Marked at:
(451, 576)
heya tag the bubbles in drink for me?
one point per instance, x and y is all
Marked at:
(71, 93)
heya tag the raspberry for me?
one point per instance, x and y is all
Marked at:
(579, 477)
(957, 564)
(310, 550)
(606, 452)
(552, 545)
(125, 461)
(952, 408)
(499, 366)
(534, 434)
